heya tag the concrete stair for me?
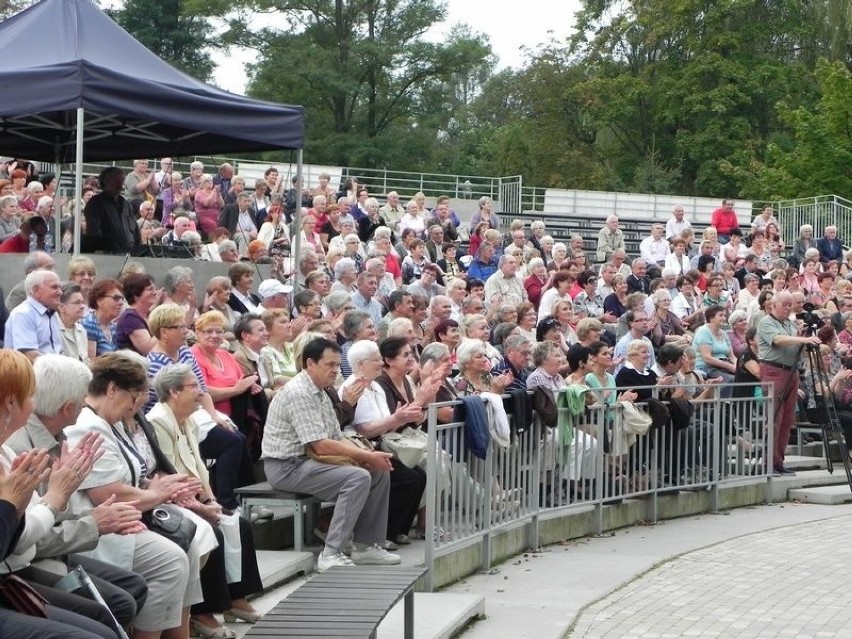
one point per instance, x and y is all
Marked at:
(797, 463)
(824, 495)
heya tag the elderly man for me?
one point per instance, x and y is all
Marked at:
(637, 281)
(174, 237)
(364, 298)
(302, 420)
(33, 326)
(779, 348)
(393, 210)
(517, 359)
(222, 180)
(273, 294)
(677, 223)
(385, 283)
(619, 261)
(110, 223)
(37, 261)
(400, 305)
(610, 239)
(140, 183)
(830, 247)
(427, 286)
(442, 216)
(505, 287)
(654, 250)
(440, 309)
(435, 242)
(61, 386)
(638, 324)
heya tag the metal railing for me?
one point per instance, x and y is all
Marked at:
(590, 461)
(819, 211)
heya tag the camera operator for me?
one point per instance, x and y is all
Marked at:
(779, 347)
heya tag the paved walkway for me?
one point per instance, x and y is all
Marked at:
(778, 571)
(791, 582)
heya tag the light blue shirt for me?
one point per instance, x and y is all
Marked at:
(371, 307)
(32, 327)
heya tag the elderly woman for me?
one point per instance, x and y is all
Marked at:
(715, 355)
(242, 300)
(72, 307)
(804, 242)
(178, 393)
(279, 346)
(274, 232)
(106, 300)
(475, 327)
(308, 303)
(375, 416)
(131, 329)
(356, 326)
(218, 292)
(81, 270)
(179, 289)
(668, 327)
(310, 238)
(475, 370)
(412, 219)
(485, 214)
(737, 334)
(117, 387)
(634, 374)
(616, 302)
(536, 280)
(208, 205)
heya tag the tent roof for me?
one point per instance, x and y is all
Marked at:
(60, 55)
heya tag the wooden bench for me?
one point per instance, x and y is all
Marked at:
(342, 602)
(302, 507)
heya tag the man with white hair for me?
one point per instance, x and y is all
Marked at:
(61, 387)
(440, 309)
(677, 223)
(504, 286)
(35, 261)
(610, 239)
(33, 326)
(654, 249)
(140, 184)
(392, 211)
(830, 246)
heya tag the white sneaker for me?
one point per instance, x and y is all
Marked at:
(324, 562)
(374, 555)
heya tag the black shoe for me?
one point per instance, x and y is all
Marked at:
(781, 471)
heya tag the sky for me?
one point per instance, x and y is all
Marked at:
(510, 26)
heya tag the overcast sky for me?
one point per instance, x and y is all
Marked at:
(510, 26)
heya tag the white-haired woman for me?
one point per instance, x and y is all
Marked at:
(475, 370)
(668, 327)
(72, 308)
(179, 289)
(485, 214)
(412, 219)
(310, 238)
(176, 434)
(475, 326)
(374, 418)
(738, 322)
(559, 255)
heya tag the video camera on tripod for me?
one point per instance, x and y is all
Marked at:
(811, 322)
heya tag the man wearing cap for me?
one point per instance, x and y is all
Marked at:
(273, 294)
(504, 286)
(427, 286)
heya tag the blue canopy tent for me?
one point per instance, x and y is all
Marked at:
(77, 85)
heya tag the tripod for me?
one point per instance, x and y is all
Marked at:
(828, 412)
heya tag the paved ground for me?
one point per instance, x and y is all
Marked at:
(778, 571)
(790, 582)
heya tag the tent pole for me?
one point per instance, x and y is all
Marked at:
(78, 179)
(297, 223)
(57, 209)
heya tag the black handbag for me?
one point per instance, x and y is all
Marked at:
(169, 521)
(18, 595)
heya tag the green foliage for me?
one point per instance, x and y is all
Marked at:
(178, 31)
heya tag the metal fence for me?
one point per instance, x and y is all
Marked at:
(818, 211)
(590, 461)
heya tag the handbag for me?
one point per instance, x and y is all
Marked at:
(18, 595)
(341, 460)
(168, 521)
(408, 446)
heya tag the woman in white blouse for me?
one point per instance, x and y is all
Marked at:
(373, 418)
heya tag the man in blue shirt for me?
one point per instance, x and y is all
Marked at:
(33, 326)
(484, 265)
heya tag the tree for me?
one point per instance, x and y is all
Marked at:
(366, 75)
(175, 30)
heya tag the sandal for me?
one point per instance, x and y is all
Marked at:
(198, 629)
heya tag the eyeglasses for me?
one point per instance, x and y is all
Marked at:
(193, 386)
(84, 274)
(118, 297)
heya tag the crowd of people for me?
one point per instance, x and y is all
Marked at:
(117, 393)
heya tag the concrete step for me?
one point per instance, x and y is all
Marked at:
(795, 462)
(437, 615)
(280, 566)
(814, 449)
(825, 495)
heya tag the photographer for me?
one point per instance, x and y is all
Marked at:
(779, 348)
